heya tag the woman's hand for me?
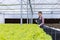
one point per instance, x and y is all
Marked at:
(36, 21)
(39, 25)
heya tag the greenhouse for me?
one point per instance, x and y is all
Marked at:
(25, 12)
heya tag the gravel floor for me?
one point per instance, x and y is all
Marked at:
(54, 25)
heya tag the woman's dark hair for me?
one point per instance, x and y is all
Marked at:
(40, 12)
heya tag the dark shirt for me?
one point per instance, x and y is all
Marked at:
(40, 20)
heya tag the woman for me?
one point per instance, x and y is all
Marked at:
(40, 19)
(40, 22)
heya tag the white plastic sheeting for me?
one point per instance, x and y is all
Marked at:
(12, 8)
(2, 18)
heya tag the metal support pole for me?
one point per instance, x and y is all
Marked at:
(27, 11)
(31, 11)
(21, 11)
(55, 35)
(4, 18)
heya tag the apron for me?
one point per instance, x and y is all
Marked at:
(39, 21)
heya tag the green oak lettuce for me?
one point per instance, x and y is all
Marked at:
(22, 32)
